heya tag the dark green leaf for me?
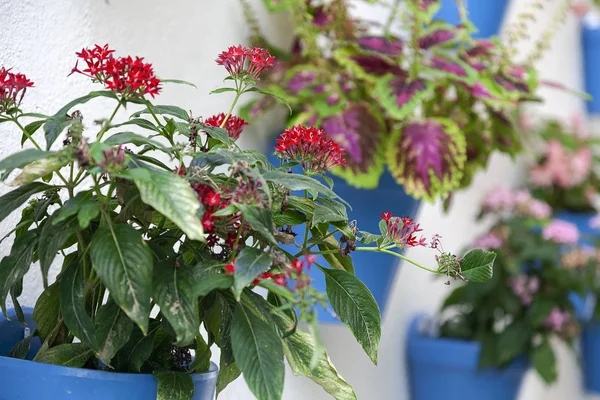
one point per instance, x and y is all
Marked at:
(220, 134)
(227, 374)
(325, 214)
(137, 350)
(21, 159)
(32, 128)
(289, 217)
(179, 82)
(208, 283)
(174, 385)
(47, 310)
(14, 199)
(478, 265)
(72, 303)
(260, 219)
(539, 310)
(335, 260)
(298, 182)
(68, 355)
(356, 307)
(165, 110)
(173, 291)
(88, 213)
(123, 262)
(248, 265)
(52, 240)
(513, 341)
(172, 196)
(113, 329)
(202, 356)
(258, 354)
(222, 90)
(544, 362)
(21, 348)
(133, 138)
(142, 123)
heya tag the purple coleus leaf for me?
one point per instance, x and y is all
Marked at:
(321, 18)
(400, 96)
(405, 90)
(358, 131)
(379, 44)
(512, 84)
(481, 47)
(480, 91)
(377, 66)
(436, 38)
(428, 157)
(451, 67)
(301, 80)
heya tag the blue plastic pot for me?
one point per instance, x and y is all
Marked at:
(486, 15)
(591, 64)
(29, 380)
(440, 368)
(376, 270)
(590, 354)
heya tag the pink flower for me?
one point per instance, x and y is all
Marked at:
(524, 287)
(403, 231)
(581, 166)
(501, 199)
(488, 241)
(557, 319)
(539, 210)
(595, 222)
(562, 232)
(540, 176)
(239, 60)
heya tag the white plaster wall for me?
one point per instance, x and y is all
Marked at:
(182, 38)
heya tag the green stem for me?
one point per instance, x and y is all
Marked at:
(393, 253)
(107, 124)
(237, 241)
(391, 17)
(307, 227)
(237, 97)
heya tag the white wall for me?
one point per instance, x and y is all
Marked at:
(182, 38)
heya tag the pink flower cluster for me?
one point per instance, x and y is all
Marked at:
(403, 231)
(504, 200)
(488, 241)
(561, 232)
(12, 88)
(524, 287)
(241, 60)
(562, 167)
(557, 319)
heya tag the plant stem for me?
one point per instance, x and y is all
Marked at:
(391, 17)
(307, 228)
(238, 93)
(393, 253)
(107, 124)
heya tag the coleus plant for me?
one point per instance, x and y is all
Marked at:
(431, 106)
(173, 233)
(527, 302)
(563, 173)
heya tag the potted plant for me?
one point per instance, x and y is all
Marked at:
(387, 99)
(160, 241)
(488, 335)
(486, 16)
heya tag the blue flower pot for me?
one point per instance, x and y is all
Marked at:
(583, 305)
(376, 270)
(447, 369)
(486, 15)
(590, 354)
(29, 380)
(591, 63)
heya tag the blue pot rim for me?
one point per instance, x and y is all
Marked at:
(420, 348)
(59, 370)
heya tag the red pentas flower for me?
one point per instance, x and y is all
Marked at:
(241, 60)
(12, 89)
(311, 147)
(130, 77)
(403, 231)
(234, 125)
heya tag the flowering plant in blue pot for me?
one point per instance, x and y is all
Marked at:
(506, 324)
(173, 233)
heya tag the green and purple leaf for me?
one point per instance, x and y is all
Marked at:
(428, 157)
(365, 65)
(436, 37)
(382, 45)
(400, 96)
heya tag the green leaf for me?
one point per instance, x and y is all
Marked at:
(88, 213)
(113, 329)
(223, 90)
(73, 298)
(258, 354)
(32, 128)
(142, 123)
(248, 265)
(137, 350)
(207, 284)
(289, 217)
(335, 260)
(21, 348)
(172, 196)
(220, 134)
(173, 111)
(478, 265)
(277, 97)
(14, 266)
(174, 385)
(539, 310)
(227, 374)
(544, 362)
(68, 355)
(52, 239)
(47, 311)
(513, 341)
(302, 204)
(298, 182)
(324, 214)
(41, 168)
(356, 307)
(133, 138)
(173, 291)
(202, 356)
(123, 262)
(179, 82)
(14, 199)
(260, 219)
(21, 159)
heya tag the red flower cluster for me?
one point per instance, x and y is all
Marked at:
(311, 147)
(12, 88)
(241, 61)
(403, 234)
(278, 279)
(234, 125)
(225, 228)
(114, 159)
(131, 77)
